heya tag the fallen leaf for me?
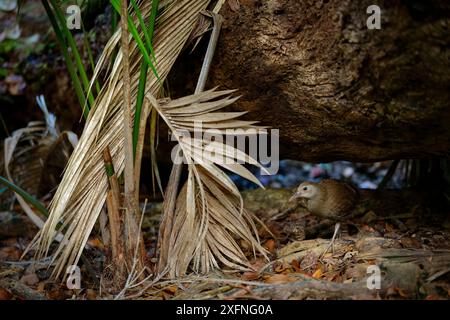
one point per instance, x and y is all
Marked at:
(279, 278)
(279, 267)
(5, 294)
(171, 289)
(250, 275)
(96, 243)
(9, 253)
(318, 273)
(309, 261)
(258, 264)
(296, 265)
(41, 287)
(165, 296)
(270, 245)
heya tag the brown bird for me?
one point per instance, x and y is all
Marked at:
(331, 199)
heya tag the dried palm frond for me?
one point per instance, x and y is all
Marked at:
(202, 226)
(29, 156)
(24, 153)
(82, 192)
(208, 216)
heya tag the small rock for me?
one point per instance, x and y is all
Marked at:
(404, 276)
(30, 279)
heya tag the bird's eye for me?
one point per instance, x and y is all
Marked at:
(305, 188)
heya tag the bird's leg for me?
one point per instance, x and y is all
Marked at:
(331, 244)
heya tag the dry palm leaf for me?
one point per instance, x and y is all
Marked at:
(29, 155)
(201, 227)
(24, 153)
(82, 192)
(207, 217)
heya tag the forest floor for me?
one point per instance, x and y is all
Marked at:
(410, 252)
(399, 236)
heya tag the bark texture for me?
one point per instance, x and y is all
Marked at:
(334, 88)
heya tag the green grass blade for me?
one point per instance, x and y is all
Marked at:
(68, 35)
(70, 67)
(141, 23)
(144, 67)
(114, 21)
(136, 37)
(25, 195)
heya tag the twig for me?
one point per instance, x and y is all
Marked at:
(112, 204)
(217, 20)
(19, 289)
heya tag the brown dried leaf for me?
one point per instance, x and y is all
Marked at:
(318, 273)
(250, 275)
(279, 278)
(270, 245)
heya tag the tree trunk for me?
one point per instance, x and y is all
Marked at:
(334, 88)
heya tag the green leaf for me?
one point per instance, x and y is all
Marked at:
(144, 67)
(68, 35)
(65, 51)
(25, 195)
(136, 37)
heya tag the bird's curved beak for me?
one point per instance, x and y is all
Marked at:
(296, 195)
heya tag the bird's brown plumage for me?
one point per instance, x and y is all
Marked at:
(333, 199)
